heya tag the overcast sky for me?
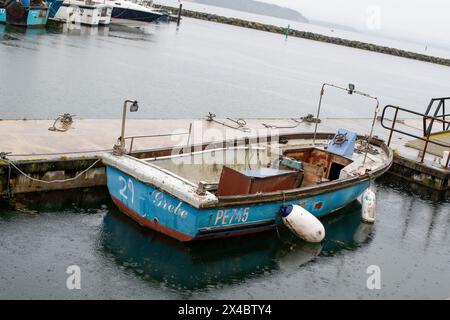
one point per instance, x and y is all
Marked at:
(425, 21)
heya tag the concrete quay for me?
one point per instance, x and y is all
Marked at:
(50, 155)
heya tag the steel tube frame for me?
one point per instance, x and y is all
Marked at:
(349, 91)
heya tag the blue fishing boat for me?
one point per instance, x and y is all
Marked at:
(213, 191)
(2, 12)
(25, 13)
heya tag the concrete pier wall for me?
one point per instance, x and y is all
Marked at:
(70, 164)
(415, 172)
(12, 183)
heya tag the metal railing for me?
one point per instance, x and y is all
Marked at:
(427, 134)
(132, 138)
(436, 114)
(350, 90)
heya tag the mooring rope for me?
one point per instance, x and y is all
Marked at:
(53, 181)
(240, 123)
(308, 118)
(66, 121)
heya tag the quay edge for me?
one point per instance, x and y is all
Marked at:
(422, 175)
(431, 182)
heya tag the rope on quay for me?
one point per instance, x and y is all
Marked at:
(53, 181)
(308, 118)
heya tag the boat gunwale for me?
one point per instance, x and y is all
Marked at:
(293, 194)
(239, 200)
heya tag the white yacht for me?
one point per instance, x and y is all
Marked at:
(143, 11)
(85, 12)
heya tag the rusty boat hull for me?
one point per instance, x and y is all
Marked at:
(162, 194)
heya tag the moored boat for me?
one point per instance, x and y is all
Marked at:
(24, 13)
(84, 12)
(123, 9)
(216, 191)
(2, 11)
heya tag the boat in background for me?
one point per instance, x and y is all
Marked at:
(123, 9)
(2, 12)
(24, 13)
(85, 12)
(166, 14)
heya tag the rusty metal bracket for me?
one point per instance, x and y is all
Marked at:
(4, 155)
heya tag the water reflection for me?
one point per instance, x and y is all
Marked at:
(156, 258)
(418, 203)
(345, 230)
(122, 31)
(89, 200)
(10, 31)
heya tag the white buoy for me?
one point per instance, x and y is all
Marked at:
(302, 223)
(368, 200)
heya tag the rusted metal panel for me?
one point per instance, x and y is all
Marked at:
(233, 182)
(317, 163)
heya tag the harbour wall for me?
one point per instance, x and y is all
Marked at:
(309, 35)
(426, 181)
(12, 183)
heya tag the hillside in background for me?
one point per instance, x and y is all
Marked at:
(256, 7)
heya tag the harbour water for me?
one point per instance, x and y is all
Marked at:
(119, 259)
(198, 68)
(187, 72)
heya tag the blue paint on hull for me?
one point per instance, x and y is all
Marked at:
(32, 16)
(170, 213)
(129, 14)
(53, 7)
(37, 17)
(2, 15)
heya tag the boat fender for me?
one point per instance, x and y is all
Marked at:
(302, 223)
(368, 206)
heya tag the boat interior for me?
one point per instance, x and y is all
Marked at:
(252, 169)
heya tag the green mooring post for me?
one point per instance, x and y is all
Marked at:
(179, 14)
(287, 30)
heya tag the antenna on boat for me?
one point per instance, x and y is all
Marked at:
(350, 90)
(119, 147)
